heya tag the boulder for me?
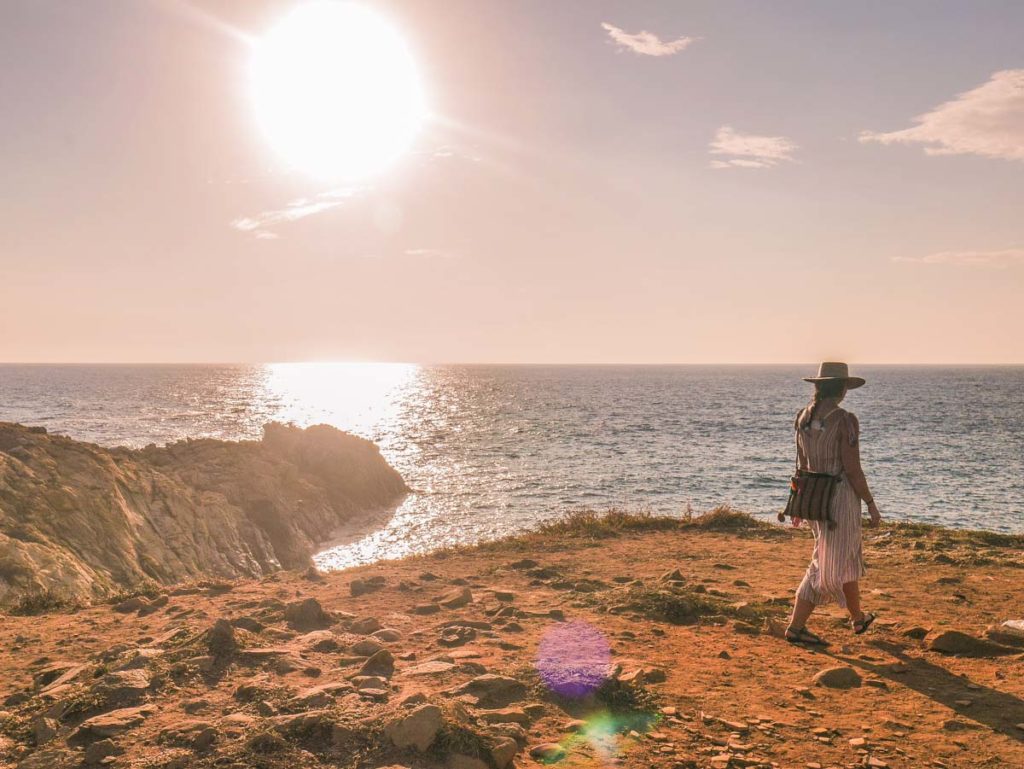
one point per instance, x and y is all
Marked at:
(417, 729)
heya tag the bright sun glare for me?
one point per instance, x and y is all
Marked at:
(336, 91)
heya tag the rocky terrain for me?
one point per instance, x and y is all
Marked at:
(598, 642)
(78, 521)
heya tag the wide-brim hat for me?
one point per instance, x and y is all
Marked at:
(832, 371)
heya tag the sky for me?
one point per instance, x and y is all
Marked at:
(595, 182)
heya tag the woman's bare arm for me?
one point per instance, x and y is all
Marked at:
(849, 449)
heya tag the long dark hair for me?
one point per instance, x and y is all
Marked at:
(831, 388)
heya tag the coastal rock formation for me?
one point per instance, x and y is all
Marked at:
(80, 521)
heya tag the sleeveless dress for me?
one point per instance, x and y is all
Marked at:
(837, 558)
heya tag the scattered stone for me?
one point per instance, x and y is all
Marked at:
(365, 626)
(838, 678)
(417, 730)
(220, 639)
(456, 636)
(917, 632)
(547, 753)
(432, 668)
(955, 642)
(456, 599)
(506, 716)
(388, 635)
(45, 729)
(366, 648)
(503, 751)
(306, 614)
(198, 735)
(426, 608)
(131, 604)
(112, 723)
(101, 749)
(380, 664)
(360, 587)
(492, 690)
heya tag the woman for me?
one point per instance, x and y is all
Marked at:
(827, 442)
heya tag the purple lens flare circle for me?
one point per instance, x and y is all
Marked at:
(574, 659)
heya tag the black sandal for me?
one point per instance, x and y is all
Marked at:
(860, 626)
(804, 636)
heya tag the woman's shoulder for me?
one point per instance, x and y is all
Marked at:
(849, 426)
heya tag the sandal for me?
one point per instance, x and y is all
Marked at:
(804, 636)
(860, 626)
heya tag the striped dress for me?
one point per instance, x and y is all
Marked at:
(837, 557)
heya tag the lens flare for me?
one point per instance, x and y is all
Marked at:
(574, 659)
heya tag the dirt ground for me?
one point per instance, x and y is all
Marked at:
(698, 676)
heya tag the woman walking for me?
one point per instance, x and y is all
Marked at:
(827, 441)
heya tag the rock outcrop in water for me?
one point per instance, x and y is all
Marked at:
(81, 521)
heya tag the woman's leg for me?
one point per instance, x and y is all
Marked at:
(851, 590)
(801, 612)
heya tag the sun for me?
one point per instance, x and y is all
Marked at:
(336, 92)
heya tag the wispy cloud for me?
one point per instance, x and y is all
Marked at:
(261, 225)
(1004, 258)
(749, 150)
(645, 43)
(987, 121)
(429, 253)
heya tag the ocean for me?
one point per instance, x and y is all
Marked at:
(492, 450)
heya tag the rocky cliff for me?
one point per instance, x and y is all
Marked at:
(80, 521)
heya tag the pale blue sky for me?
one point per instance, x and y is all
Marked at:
(563, 206)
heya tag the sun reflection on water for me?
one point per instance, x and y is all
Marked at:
(357, 397)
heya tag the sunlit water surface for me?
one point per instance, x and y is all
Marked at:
(492, 450)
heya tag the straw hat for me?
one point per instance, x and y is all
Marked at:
(832, 371)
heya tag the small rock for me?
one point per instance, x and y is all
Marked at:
(456, 599)
(101, 749)
(220, 639)
(493, 690)
(366, 648)
(955, 642)
(44, 730)
(917, 632)
(113, 723)
(547, 753)
(838, 678)
(380, 664)
(418, 729)
(506, 716)
(365, 626)
(306, 614)
(456, 636)
(388, 635)
(503, 751)
(426, 608)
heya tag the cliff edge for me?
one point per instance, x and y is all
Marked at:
(81, 521)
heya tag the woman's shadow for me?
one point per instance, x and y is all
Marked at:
(999, 711)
